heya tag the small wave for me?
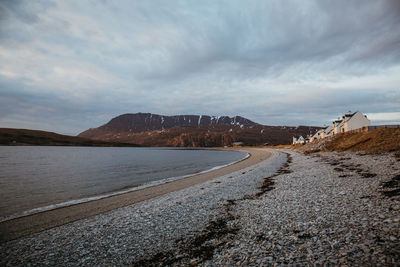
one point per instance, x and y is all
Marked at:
(120, 192)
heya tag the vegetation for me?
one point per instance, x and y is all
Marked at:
(19, 137)
(206, 136)
(379, 140)
(376, 141)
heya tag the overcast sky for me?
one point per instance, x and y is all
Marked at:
(66, 66)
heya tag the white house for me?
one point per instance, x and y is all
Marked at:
(237, 144)
(337, 126)
(316, 136)
(353, 121)
(348, 122)
(300, 140)
(329, 131)
(325, 132)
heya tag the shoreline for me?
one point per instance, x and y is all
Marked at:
(326, 208)
(43, 220)
(114, 193)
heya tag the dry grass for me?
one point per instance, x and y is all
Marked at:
(376, 141)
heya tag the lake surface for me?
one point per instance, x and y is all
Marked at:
(33, 177)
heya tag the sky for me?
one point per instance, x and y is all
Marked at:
(67, 66)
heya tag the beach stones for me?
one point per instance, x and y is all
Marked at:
(311, 216)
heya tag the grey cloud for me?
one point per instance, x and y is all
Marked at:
(241, 42)
(16, 9)
(218, 58)
(24, 10)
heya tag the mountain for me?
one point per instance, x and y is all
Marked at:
(9, 136)
(148, 129)
(143, 122)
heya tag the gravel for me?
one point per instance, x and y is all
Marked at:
(326, 211)
(127, 235)
(324, 208)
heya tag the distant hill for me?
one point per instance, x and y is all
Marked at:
(9, 136)
(148, 129)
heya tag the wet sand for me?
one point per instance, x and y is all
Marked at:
(22, 226)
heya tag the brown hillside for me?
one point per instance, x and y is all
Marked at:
(147, 122)
(148, 129)
(379, 140)
(209, 136)
(376, 141)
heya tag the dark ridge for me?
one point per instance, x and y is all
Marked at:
(20, 137)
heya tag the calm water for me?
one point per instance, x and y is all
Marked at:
(34, 177)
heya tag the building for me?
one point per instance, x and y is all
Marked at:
(325, 131)
(300, 140)
(236, 144)
(348, 122)
(354, 121)
(337, 126)
(316, 136)
(294, 141)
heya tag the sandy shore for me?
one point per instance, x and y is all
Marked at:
(34, 223)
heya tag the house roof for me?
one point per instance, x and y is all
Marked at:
(327, 130)
(350, 114)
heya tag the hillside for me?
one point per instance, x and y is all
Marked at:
(9, 136)
(144, 122)
(148, 129)
(376, 141)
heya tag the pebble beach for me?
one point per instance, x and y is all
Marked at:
(323, 208)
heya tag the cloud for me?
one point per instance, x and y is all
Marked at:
(385, 118)
(279, 63)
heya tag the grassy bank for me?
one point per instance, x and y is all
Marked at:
(376, 141)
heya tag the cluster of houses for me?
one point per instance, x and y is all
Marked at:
(348, 122)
